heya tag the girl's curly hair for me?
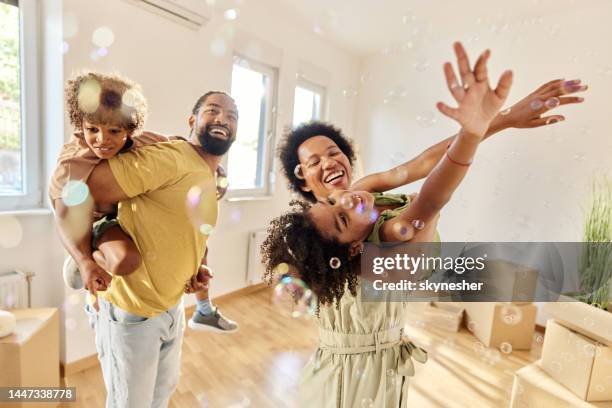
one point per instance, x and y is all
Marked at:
(294, 240)
(291, 141)
(105, 99)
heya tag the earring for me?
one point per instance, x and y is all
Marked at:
(298, 172)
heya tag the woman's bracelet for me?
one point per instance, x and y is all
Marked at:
(455, 161)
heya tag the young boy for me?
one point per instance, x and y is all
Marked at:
(108, 113)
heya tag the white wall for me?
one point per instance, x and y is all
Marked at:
(174, 66)
(525, 184)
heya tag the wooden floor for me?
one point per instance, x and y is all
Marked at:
(259, 365)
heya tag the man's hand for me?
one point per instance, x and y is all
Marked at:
(95, 278)
(200, 280)
(478, 103)
(527, 113)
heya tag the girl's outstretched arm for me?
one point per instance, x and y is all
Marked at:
(478, 105)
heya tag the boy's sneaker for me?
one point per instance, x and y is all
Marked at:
(214, 322)
(72, 276)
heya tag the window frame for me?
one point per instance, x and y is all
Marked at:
(312, 87)
(267, 134)
(31, 165)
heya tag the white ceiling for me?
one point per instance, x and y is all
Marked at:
(368, 26)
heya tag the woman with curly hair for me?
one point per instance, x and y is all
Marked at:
(362, 358)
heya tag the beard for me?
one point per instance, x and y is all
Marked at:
(212, 144)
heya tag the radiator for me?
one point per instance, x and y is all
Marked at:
(255, 268)
(15, 290)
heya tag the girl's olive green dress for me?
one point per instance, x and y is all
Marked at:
(363, 359)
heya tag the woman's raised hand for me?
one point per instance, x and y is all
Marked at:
(478, 104)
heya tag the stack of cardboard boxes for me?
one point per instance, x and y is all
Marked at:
(576, 365)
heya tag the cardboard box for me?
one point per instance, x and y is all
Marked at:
(444, 315)
(579, 363)
(533, 388)
(512, 282)
(586, 319)
(497, 323)
(30, 356)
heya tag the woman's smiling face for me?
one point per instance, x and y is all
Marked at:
(323, 166)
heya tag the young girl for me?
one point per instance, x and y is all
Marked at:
(362, 359)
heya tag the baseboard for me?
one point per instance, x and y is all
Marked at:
(92, 360)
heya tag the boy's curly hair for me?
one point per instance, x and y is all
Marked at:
(105, 99)
(291, 141)
(294, 240)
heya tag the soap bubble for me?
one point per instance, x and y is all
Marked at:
(394, 96)
(505, 348)
(367, 403)
(103, 37)
(218, 47)
(335, 263)
(9, 301)
(491, 356)
(588, 350)
(11, 232)
(206, 229)
(281, 268)
(70, 324)
(373, 216)
(199, 200)
(511, 315)
(347, 202)
(102, 52)
(420, 65)
(89, 94)
(552, 102)
(418, 224)
(74, 193)
(426, 119)
(293, 298)
(349, 93)
(65, 47)
(398, 158)
(230, 14)
(94, 56)
(401, 229)
(536, 104)
(131, 98)
(222, 182)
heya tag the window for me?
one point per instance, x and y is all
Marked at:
(19, 143)
(250, 158)
(308, 102)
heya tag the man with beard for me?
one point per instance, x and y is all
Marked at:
(140, 323)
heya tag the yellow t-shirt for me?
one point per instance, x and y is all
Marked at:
(157, 178)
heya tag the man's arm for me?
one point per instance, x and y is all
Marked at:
(103, 185)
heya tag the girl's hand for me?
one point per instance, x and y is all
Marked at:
(478, 103)
(221, 182)
(527, 113)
